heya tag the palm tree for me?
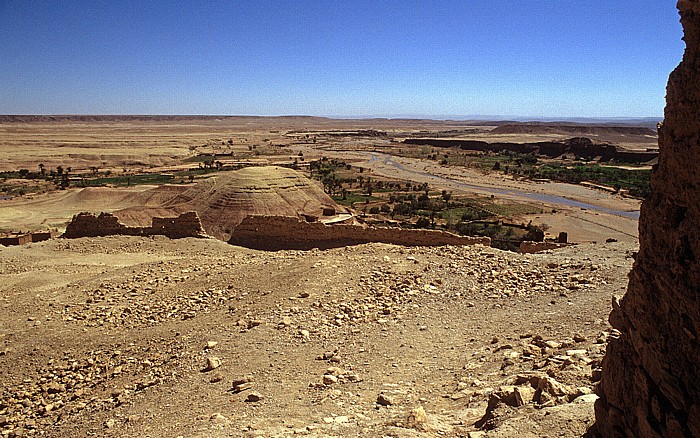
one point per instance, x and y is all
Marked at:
(42, 169)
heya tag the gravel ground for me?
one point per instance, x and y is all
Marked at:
(128, 336)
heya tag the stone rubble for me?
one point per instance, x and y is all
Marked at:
(334, 301)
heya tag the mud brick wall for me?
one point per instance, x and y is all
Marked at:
(185, 225)
(527, 247)
(285, 232)
(88, 225)
(651, 373)
(106, 224)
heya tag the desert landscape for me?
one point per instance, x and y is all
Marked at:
(194, 336)
(383, 273)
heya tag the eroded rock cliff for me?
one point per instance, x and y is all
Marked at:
(651, 373)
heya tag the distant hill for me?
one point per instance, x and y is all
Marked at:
(572, 129)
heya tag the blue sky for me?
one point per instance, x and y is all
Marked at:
(528, 58)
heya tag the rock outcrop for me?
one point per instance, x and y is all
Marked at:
(651, 373)
(106, 224)
(284, 232)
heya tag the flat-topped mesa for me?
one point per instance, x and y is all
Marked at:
(286, 232)
(105, 224)
(651, 373)
(579, 146)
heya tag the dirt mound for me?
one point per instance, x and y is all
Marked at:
(223, 201)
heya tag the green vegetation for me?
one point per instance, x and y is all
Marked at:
(635, 181)
(23, 182)
(415, 205)
(354, 198)
(127, 180)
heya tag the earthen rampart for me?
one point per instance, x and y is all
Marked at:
(286, 232)
(106, 224)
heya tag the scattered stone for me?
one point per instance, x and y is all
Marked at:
(384, 400)
(216, 378)
(253, 397)
(523, 395)
(242, 384)
(218, 418)
(254, 323)
(586, 398)
(213, 363)
(579, 338)
(211, 344)
(328, 355)
(329, 379)
(417, 419)
(55, 388)
(552, 344)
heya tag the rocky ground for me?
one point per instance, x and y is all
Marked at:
(129, 336)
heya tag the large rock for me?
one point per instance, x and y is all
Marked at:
(651, 374)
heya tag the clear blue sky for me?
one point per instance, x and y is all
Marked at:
(531, 58)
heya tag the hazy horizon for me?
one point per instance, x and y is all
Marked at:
(447, 118)
(378, 59)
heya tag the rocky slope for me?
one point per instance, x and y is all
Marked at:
(134, 336)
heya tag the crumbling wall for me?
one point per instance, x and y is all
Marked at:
(284, 232)
(528, 247)
(106, 224)
(16, 239)
(88, 225)
(185, 225)
(651, 373)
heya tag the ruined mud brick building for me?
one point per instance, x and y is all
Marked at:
(285, 232)
(650, 385)
(106, 224)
